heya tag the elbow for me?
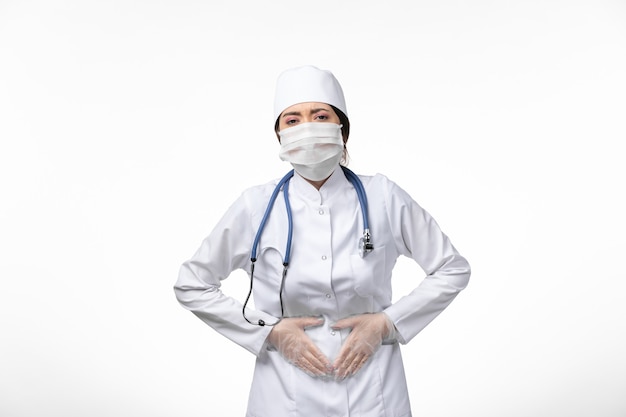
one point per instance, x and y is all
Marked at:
(184, 295)
(466, 276)
(194, 298)
(457, 271)
(191, 290)
(181, 294)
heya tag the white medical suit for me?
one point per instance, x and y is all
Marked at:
(328, 278)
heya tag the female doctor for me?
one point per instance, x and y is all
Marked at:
(319, 247)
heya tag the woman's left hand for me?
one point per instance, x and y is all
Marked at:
(368, 332)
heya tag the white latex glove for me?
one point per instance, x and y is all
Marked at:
(289, 338)
(368, 332)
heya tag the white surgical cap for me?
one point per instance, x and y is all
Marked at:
(307, 84)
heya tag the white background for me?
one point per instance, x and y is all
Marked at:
(128, 127)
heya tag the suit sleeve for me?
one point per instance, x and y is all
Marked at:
(418, 236)
(198, 286)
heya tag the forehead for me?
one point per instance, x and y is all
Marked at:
(307, 107)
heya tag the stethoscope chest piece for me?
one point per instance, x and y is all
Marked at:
(365, 244)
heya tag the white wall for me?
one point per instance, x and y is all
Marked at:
(127, 128)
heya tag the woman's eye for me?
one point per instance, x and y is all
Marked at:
(322, 117)
(291, 121)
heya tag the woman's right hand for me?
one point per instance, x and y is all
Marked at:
(290, 339)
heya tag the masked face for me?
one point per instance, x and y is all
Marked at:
(313, 149)
(311, 139)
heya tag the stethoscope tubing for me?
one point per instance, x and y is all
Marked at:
(284, 185)
(360, 191)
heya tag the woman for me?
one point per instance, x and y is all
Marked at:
(324, 331)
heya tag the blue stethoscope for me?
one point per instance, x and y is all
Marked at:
(365, 242)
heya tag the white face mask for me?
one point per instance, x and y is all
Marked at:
(313, 149)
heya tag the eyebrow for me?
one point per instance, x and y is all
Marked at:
(297, 113)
